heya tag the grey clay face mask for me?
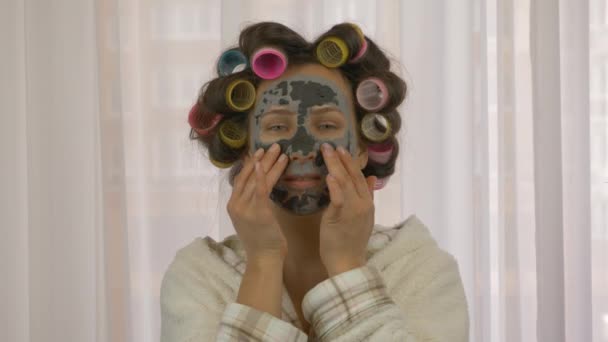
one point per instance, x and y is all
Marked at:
(300, 100)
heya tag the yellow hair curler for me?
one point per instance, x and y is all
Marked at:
(375, 127)
(332, 52)
(240, 95)
(233, 134)
(220, 164)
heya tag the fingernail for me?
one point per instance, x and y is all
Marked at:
(258, 153)
(282, 158)
(274, 147)
(327, 148)
(341, 150)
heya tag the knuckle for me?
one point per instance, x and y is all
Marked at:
(340, 178)
(370, 208)
(233, 204)
(246, 217)
(230, 208)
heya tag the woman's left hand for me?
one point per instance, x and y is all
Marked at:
(347, 223)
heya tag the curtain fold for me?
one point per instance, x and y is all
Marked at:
(504, 152)
(545, 48)
(15, 324)
(576, 174)
(51, 192)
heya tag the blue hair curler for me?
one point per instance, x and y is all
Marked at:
(231, 61)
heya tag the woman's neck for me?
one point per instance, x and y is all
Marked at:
(302, 234)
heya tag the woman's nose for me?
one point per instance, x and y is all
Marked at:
(301, 158)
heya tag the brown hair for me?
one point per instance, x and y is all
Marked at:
(374, 63)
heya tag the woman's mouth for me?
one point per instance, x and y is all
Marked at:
(302, 181)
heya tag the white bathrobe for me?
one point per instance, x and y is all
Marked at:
(409, 290)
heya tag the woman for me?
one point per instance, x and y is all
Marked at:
(309, 131)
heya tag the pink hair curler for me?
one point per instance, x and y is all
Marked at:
(203, 131)
(372, 94)
(269, 63)
(361, 52)
(381, 183)
(380, 153)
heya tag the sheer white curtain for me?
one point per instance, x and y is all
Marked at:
(505, 154)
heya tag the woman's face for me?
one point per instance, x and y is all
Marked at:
(305, 107)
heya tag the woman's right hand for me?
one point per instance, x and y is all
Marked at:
(249, 204)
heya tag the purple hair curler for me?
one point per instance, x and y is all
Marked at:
(268, 63)
(380, 153)
(372, 94)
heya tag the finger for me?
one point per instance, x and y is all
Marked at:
(270, 157)
(276, 171)
(352, 167)
(250, 186)
(335, 168)
(260, 182)
(336, 194)
(241, 179)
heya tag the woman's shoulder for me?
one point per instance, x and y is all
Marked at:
(207, 253)
(199, 274)
(201, 261)
(406, 236)
(406, 244)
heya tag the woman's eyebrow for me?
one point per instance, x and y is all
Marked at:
(279, 111)
(323, 110)
(316, 111)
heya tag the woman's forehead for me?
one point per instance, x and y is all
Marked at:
(307, 90)
(301, 93)
(329, 76)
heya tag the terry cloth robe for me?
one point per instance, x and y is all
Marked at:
(409, 290)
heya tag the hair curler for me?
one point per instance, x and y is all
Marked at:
(231, 61)
(221, 165)
(361, 52)
(358, 29)
(372, 94)
(375, 127)
(363, 48)
(268, 63)
(332, 52)
(240, 95)
(233, 134)
(381, 183)
(203, 131)
(380, 153)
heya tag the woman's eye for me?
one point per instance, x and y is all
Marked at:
(277, 127)
(326, 126)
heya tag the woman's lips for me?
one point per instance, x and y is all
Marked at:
(302, 181)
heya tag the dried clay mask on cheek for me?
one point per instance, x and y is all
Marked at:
(302, 188)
